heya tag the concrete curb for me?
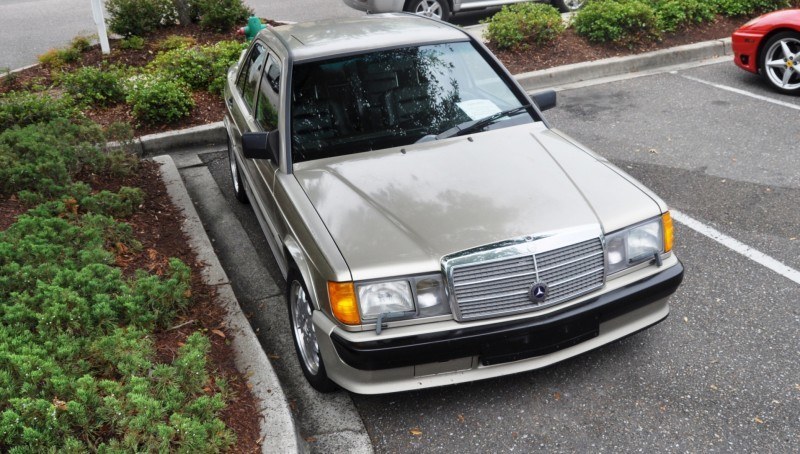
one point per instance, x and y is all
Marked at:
(164, 142)
(616, 66)
(277, 424)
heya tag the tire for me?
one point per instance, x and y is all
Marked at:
(569, 6)
(301, 311)
(236, 176)
(439, 9)
(780, 62)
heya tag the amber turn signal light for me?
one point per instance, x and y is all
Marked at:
(669, 231)
(342, 296)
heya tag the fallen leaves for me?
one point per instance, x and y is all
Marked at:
(59, 404)
(218, 333)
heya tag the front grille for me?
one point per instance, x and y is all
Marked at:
(500, 287)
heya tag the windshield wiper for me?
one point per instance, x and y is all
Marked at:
(476, 125)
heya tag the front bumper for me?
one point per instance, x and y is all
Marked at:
(380, 365)
(745, 50)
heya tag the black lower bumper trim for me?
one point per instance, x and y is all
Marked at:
(510, 341)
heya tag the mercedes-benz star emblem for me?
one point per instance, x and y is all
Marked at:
(538, 292)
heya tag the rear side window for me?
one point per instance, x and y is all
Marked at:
(248, 78)
(269, 95)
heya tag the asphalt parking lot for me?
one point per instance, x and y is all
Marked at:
(722, 373)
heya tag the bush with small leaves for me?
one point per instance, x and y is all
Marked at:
(92, 85)
(132, 42)
(617, 21)
(673, 14)
(524, 22)
(57, 58)
(173, 42)
(81, 43)
(189, 65)
(156, 99)
(200, 67)
(138, 17)
(749, 7)
(222, 15)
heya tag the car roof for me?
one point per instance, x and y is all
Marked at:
(310, 40)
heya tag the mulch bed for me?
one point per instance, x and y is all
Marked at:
(571, 48)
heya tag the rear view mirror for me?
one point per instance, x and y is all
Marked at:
(545, 100)
(261, 145)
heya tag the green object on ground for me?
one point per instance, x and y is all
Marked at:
(252, 28)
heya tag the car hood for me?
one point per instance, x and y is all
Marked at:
(399, 211)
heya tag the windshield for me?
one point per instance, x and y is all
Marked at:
(395, 97)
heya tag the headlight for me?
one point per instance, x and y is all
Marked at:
(418, 296)
(637, 244)
(384, 297)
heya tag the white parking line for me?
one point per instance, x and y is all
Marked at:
(744, 92)
(737, 246)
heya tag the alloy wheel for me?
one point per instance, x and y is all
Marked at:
(782, 63)
(303, 327)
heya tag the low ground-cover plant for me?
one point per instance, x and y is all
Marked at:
(524, 22)
(93, 85)
(45, 157)
(77, 363)
(21, 108)
(78, 368)
(173, 42)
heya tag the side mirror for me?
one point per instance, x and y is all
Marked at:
(545, 100)
(261, 145)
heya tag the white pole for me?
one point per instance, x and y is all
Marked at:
(97, 13)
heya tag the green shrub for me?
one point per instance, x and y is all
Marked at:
(173, 42)
(222, 15)
(223, 54)
(81, 43)
(138, 17)
(201, 67)
(132, 42)
(522, 22)
(192, 66)
(92, 85)
(750, 7)
(59, 57)
(617, 21)
(23, 108)
(673, 14)
(157, 99)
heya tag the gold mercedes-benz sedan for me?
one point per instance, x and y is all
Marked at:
(432, 227)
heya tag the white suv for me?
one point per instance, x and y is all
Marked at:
(443, 9)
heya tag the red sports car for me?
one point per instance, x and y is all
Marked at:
(770, 45)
